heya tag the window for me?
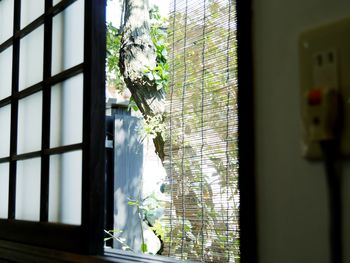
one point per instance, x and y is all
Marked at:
(200, 197)
(52, 119)
(51, 111)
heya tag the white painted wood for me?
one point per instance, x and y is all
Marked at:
(127, 181)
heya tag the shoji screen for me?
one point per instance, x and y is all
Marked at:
(51, 114)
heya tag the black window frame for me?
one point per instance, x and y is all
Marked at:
(246, 133)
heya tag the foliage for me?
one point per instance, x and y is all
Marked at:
(158, 229)
(148, 212)
(114, 77)
(139, 207)
(152, 126)
(159, 36)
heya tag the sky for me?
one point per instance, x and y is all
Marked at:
(114, 9)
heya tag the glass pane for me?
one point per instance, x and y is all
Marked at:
(28, 190)
(5, 124)
(31, 59)
(31, 10)
(6, 20)
(68, 38)
(5, 72)
(67, 112)
(29, 123)
(4, 189)
(65, 188)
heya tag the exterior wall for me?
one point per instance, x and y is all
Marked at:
(128, 172)
(138, 173)
(291, 192)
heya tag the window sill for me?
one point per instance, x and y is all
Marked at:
(15, 252)
(112, 255)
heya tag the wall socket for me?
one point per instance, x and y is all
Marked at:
(325, 62)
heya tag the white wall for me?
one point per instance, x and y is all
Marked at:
(292, 193)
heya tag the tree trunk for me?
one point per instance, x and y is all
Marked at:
(137, 54)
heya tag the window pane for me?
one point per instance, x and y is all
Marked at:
(31, 10)
(6, 20)
(68, 38)
(31, 59)
(5, 124)
(28, 190)
(67, 112)
(5, 72)
(4, 189)
(65, 188)
(29, 123)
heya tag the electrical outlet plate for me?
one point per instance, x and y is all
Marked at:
(325, 61)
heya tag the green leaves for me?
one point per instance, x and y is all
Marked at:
(152, 126)
(113, 41)
(132, 104)
(113, 46)
(133, 203)
(144, 248)
(159, 74)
